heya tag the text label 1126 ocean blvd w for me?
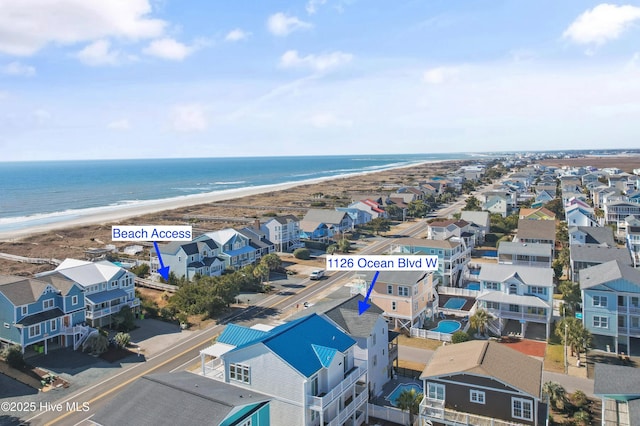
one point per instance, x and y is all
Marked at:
(382, 263)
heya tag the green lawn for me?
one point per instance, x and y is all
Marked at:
(416, 342)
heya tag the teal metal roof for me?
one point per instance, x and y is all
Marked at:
(307, 344)
(237, 335)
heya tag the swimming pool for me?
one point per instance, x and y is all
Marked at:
(393, 396)
(473, 287)
(487, 253)
(447, 326)
(455, 303)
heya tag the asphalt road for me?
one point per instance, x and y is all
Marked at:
(187, 351)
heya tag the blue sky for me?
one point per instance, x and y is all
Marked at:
(84, 79)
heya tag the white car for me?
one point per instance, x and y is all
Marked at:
(317, 274)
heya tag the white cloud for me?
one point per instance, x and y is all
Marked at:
(18, 69)
(601, 24)
(168, 48)
(28, 26)
(320, 63)
(189, 118)
(282, 25)
(122, 124)
(312, 6)
(237, 35)
(99, 53)
(323, 120)
(440, 75)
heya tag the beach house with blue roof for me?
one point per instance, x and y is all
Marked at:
(307, 367)
(40, 312)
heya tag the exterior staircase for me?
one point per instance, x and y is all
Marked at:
(86, 332)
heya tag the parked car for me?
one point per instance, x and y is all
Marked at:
(317, 274)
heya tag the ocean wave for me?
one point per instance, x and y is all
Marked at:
(233, 182)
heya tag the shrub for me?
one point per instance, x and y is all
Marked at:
(141, 270)
(122, 339)
(302, 253)
(579, 399)
(124, 320)
(14, 356)
(459, 337)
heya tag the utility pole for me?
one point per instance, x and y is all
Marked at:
(566, 360)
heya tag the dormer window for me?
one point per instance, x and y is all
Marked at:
(25, 309)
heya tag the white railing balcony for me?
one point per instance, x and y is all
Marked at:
(214, 369)
(114, 309)
(76, 329)
(434, 410)
(350, 409)
(321, 402)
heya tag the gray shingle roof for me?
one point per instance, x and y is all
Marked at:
(616, 380)
(606, 272)
(529, 275)
(21, 290)
(594, 253)
(346, 315)
(175, 399)
(537, 229)
(479, 218)
(596, 234)
(331, 217)
(41, 316)
(531, 249)
(490, 359)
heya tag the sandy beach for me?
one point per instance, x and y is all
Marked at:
(70, 238)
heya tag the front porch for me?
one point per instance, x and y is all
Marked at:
(435, 411)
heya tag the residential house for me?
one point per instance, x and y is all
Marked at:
(590, 178)
(632, 239)
(611, 306)
(617, 386)
(616, 212)
(307, 367)
(283, 231)
(569, 195)
(453, 256)
(500, 202)
(406, 297)
(258, 240)
(516, 293)
(41, 312)
(482, 382)
(107, 288)
(536, 231)
(374, 342)
(455, 229)
(418, 193)
(187, 259)
(235, 248)
(633, 196)
(480, 223)
(621, 181)
(319, 224)
(183, 398)
(359, 217)
(601, 235)
(600, 192)
(369, 206)
(540, 213)
(577, 215)
(587, 255)
(536, 254)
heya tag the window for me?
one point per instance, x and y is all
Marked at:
(389, 289)
(74, 300)
(47, 304)
(476, 396)
(374, 339)
(634, 302)
(514, 308)
(492, 286)
(513, 289)
(314, 386)
(635, 322)
(34, 330)
(239, 373)
(114, 284)
(403, 291)
(435, 391)
(393, 306)
(541, 291)
(600, 322)
(53, 325)
(375, 360)
(492, 305)
(521, 409)
(600, 301)
(24, 310)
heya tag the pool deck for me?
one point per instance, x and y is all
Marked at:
(444, 298)
(390, 387)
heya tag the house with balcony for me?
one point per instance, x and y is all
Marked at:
(183, 398)
(375, 343)
(370, 207)
(453, 256)
(307, 367)
(587, 255)
(235, 248)
(283, 231)
(540, 213)
(579, 215)
(457, 229)
(319, 224)
(616, 212)
(359, 217)
(501, 202)
(536, 232)
(617, 386)
(516, 294)
(187, 259)
(591, 235)
(40, 313)
(405, 297)
(482, 382)
(534, 254)
(258, 240)
(611, 306)
(480, 223)
(107, 288)
(632, 240)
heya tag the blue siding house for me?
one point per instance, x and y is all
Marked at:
(611, 306)
(41, 312)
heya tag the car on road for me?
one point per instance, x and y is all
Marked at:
(317, 274)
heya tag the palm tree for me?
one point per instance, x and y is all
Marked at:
(578, 337)
(556, 394)
(480, 320)
(261, 271)
(409, 399)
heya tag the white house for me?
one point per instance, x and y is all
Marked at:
(283, 231)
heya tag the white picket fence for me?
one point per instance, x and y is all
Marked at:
(428, 334)
(389, 413)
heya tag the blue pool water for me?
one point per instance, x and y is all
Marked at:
(447, 326)
(393, 396)
(473, 287)
(455, 303)
(487, 253)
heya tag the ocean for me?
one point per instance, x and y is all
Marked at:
(33, 193)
